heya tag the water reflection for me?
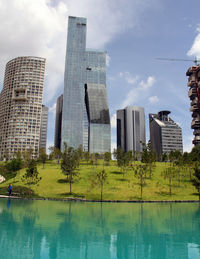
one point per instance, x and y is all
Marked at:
(45, 229)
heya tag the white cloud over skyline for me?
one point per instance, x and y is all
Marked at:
(138, 92)
(39, 28)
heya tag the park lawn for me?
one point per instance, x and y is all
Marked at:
(117, 186)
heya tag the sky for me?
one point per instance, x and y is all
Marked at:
(133, 32)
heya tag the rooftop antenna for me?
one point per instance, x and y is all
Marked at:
(195, 60)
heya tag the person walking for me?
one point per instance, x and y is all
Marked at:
(9, 189)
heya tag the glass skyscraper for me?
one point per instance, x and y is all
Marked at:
(85, 117)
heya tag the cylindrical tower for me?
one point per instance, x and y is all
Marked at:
(21, 106)
(194, 95)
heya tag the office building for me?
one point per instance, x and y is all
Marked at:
(58, 122)
(85, 116)
(21, 106)
(131, 128)
(193, 74)
(165, 134)
(43, 127)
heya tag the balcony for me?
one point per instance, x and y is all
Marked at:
(192, 92)
(195, 124)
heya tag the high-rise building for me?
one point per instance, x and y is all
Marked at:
(165, 134)
(58, 122)
(194, 95)
(43, 127)
(21, 105)
(131, 128)
(85, 116)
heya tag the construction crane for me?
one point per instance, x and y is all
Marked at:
(179, 59)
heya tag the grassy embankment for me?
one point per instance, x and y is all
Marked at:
(117, 187)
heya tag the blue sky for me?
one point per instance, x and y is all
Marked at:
(133, 32)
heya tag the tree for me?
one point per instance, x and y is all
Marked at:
(164, 157)
(195, 153)
(70, 164)
(148, 157)
(31, 176)
(80, 152)
(99, 180)
(14, 165)
(140, 172)
(57, 154)
(86, 156)
(123, 159)
(107, 157)
(27, 155)
(196, 178)
(42, 156)
(170, 173)
(51, 150)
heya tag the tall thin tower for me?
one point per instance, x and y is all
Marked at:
(194, 95)
(85, 115)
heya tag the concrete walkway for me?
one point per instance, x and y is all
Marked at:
(12, 197)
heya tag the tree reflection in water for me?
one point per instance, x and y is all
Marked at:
(47, 229)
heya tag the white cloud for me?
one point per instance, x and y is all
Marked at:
(128, 77)
(35, 28)
(39, 28)
(113, 121)
(150, 81)
(139, 91)
(195, 49)
(153, 99)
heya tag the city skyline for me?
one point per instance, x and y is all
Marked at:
(132, 42)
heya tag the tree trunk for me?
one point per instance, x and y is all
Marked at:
(141, 186)
(170, 186)
(101, 192)
(70, 186)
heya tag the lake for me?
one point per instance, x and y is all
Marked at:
(56, 229)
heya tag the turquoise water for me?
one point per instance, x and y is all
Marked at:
(51, 229)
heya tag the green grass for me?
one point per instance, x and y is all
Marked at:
(117, 187)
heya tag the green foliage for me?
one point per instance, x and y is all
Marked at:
(164, 157)
(107, 157)
(196, 178)
(86, 156)
(31, 176)
(99, 180)
(42, 156)
(175, 155)
(195, 154)
(170, 173)
(27, 155)
(14, 165)
(149, 158)
(70, 164)
(123, 159)
(140, 171)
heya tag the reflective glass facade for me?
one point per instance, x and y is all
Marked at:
(74, 117)
(85, 119)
